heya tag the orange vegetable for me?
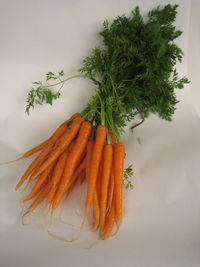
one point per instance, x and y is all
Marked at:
(119, 152)
(109, 221)
(95, 161)
(40, 197)
(77, 150)
(57, 174)
(44, 177)
(107, 165)
(63, 143)
(110, 190)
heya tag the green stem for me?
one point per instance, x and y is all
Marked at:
(102, 110)
(67, 79)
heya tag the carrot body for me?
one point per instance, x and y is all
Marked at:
(57, 174)
(35, 149)
(110, 221)
(77, 172)
(43, 144)
(63, 143)
(107, 165)
(99, 178)
(95, 161)
(34, 164)
(44, 177)
(96, 212)
(81, 177)
(119, 152)
(88, 157)
(112, 137)
(40, 197)
(96, 209)
(77, 150)
(110, 190)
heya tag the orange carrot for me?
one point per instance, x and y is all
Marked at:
(95, 202)
(40, 197)
(35, 149)
(96, 212)
(32, 178)
(99, 178)
(88, 157)
(40, 182)
(95, 161)
(34, 164)
(107, 164)
(109, 221)
(112, 138)
(77, 150)
(119, 152)
(111, 190)
(73, 117)
(62, 128)
(63, 143)
(55, 134)
(77, 172)
(57, 174)
(81, 177)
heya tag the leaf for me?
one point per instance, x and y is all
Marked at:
(39, 96)
(61, 73)
(128, 173)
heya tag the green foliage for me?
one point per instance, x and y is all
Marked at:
(134, 70)
(39, 96)
(42, 94)
(136, 67)
(128, 173)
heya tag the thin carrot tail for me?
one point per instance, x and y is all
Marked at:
(51, 194)
(96, 212)
(12, 161)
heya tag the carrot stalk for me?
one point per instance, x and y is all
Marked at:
(96, 210)
(56, 176)
(119, 152)
(111, 190)
(77, 150)
(107, 165)
(95, 161)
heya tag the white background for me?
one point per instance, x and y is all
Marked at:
(161, 215)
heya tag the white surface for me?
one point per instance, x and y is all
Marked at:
(161, 215)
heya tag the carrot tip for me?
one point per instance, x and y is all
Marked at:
(10, 162)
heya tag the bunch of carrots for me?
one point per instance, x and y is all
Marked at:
(134, 73)
(68, 157)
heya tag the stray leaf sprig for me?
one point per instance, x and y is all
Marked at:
(43, 94)
(128, 173)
